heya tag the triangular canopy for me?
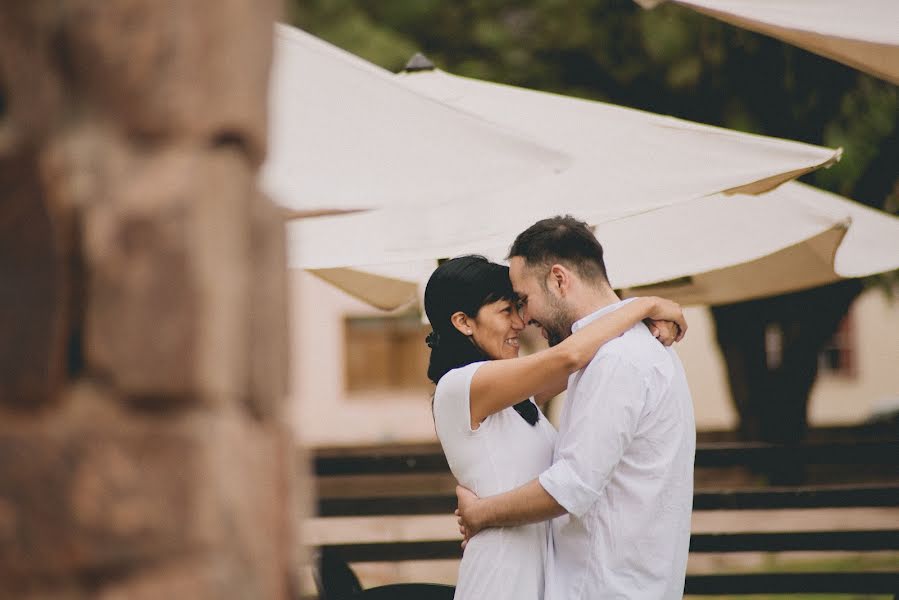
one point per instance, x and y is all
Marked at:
(714, 250)
(723, 250)
(863, 34)
(625, 162)
(345, 135)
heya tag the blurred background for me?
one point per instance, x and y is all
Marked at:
(820, 347)
(765, 369)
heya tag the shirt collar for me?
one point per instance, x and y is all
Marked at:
(597, 314)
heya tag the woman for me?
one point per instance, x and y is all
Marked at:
(492, 432)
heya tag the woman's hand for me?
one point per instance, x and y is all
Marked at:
(667, 332)
(666, 310)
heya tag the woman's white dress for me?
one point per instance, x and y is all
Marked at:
(502, 454)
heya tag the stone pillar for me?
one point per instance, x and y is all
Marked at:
(143, 327)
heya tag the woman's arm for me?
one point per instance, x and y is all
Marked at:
(498, 384)
(552, 390)
(667, 332)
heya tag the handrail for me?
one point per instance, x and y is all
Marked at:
(425, 503)
(430, 459)
(819, 541)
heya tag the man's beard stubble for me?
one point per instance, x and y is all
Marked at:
(558, 326)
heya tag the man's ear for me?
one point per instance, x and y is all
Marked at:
(559, 279)
(462, 322)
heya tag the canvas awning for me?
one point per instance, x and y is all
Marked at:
(611, 166)
(863, 34)
(723, 250)
(714, 250)
(345, 135)
(624, 163)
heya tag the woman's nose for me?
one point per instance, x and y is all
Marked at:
(522, 313)
(517, 321)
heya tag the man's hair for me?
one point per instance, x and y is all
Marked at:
(563, 240)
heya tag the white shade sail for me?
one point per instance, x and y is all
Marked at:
(863, 34)
(630, 149)
(625, 162)
(487, 160)
(723, 250)
(345, 135)
(713, 250)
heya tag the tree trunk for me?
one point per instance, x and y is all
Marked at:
(772, 400)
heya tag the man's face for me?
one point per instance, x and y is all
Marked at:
(540, 304)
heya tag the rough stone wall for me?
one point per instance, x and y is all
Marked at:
(142, 305)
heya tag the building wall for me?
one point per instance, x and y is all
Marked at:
(327, 414)
(330, 416)
(876, 383)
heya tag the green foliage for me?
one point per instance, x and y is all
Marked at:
(347, 25)
(866, 117)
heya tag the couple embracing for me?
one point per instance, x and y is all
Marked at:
(601, 508)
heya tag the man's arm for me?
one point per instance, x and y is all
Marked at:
(603, 416)
(529, 503)
(603, 419)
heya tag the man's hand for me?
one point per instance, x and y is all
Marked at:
(529, 503)
(467, 513)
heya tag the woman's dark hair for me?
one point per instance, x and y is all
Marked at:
(465, 284)
(462, 284)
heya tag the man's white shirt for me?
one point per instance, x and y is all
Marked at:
(623, 469)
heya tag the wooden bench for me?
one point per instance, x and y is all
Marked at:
(415, 480)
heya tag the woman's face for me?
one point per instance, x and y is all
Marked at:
(495, 329)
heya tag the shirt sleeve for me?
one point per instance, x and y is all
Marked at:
(452, 400)
(603, 417)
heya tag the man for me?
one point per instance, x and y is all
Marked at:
(620, 489)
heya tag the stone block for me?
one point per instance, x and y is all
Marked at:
(192, 578)
(34, 285)
(198, 504)
(29, 76)
(257, 502)
(68, 590)
(90, 499)
(218, 578)
(269, 331)
(167, 303)
(174, 69)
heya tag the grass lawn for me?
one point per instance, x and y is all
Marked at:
(778, 564)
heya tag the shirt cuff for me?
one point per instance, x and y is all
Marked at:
(563, 484)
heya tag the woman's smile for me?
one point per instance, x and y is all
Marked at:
(495, 329)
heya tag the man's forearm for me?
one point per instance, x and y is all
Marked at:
(529, 503)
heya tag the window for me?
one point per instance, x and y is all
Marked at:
(386, 353)
(838, 355)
